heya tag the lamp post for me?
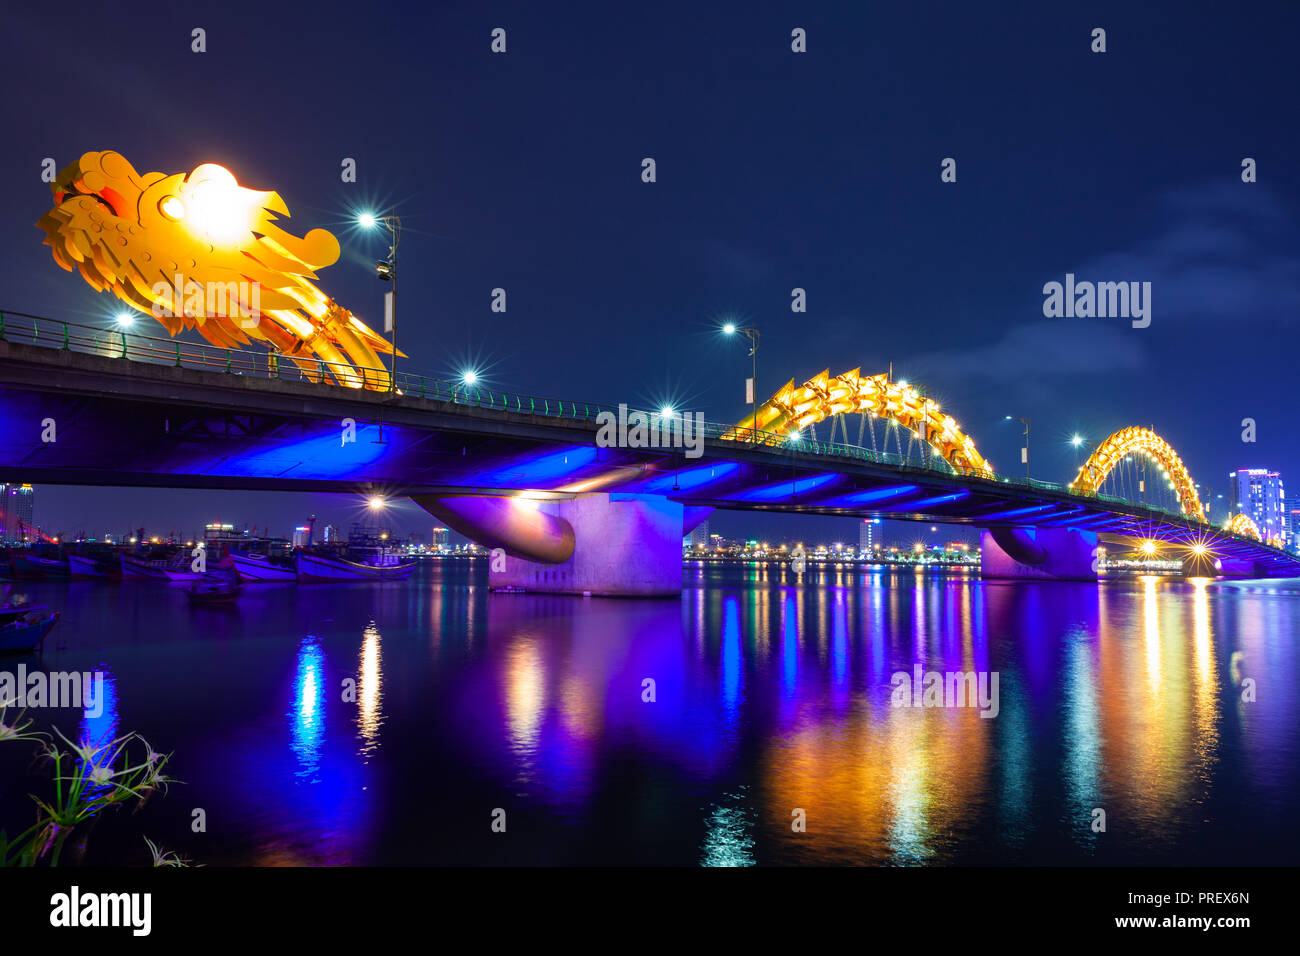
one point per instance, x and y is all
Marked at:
(1026, 423)
(752, 335)
(386, 270)
(1024, 452)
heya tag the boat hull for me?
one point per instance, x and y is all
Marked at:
(26, 635)
(313, 567)
(31, 568)
(83, 568)
(254, 569)
(137, 568)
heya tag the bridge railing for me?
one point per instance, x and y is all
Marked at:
(122, 343)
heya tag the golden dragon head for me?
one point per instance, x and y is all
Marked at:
(200, 251)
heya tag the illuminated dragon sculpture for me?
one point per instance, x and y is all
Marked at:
(796, 407)
(200, 251)
(1140, 441)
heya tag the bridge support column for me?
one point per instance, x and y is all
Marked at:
(1056, 554)
(617, 544)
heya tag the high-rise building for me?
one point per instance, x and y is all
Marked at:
(439, 540)
(1258, 492)
(866, 535)
(17, 503)
(1293, 523)
(331, 534)
(302, 536)
(700, 536)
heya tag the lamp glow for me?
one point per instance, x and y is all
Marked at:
(366, 221)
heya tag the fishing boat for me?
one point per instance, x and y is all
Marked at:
(215, 587)
(23, 627)
(320, 567)
(34, 567)
(134, 567)
(259, 567)
(85, 567)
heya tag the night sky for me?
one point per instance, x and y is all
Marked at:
(775, 170)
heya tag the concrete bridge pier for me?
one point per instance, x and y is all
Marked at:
(624, 545)
(1054, 554)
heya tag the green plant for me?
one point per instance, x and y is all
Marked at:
(88, 779)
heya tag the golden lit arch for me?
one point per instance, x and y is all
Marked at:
(794, 407)
(1144, 441)
(1244, 525)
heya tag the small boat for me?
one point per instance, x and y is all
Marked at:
(23, 627)
(321, 568)
(258, 567)
(215, 587)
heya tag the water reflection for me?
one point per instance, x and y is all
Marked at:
(369, 693)
(307, 716)
(729, 833)
(772, 693)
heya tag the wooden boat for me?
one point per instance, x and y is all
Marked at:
(86, 567)
(258, 567)
(215, 587)
(35, 567)
(318, 567)
(133, 567)
(23, 627)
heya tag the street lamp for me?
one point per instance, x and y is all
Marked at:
(386, 270)
(1077, 442)
(752, 334)
(1024, 452)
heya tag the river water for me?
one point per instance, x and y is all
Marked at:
(774, 736)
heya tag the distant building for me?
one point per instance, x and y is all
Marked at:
(302, 536)
(700, 535)
(17, 502)
(1258, 492)
(439, 541)
(866, 535)
(331, 534)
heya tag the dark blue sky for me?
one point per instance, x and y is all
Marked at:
(775, 170)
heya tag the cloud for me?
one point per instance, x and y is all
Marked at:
(1224, 253)
(1046, 349)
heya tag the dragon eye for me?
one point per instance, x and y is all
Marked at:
(172, 208)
